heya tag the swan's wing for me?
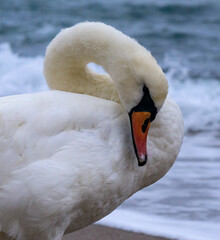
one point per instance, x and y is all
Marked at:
(55, 148)
(40, 126)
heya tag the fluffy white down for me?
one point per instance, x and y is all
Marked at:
(67, 160)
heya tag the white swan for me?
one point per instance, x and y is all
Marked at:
(67, 159)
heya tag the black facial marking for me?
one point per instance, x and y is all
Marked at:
(146, 105)
(144, 126)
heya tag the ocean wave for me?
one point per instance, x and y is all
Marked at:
(20, 74)
(198, 98)
(161, 226)
(141, 9)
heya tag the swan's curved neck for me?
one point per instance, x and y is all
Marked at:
(69, 53)
(129, 65)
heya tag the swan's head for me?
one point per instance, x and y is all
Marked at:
(141, 117)
(143, 90)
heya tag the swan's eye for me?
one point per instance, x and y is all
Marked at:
(144, 126)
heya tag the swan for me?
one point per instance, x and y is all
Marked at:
(71, 155)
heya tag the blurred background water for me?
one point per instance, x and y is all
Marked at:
(184, 37)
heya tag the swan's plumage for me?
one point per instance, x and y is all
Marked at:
(67, 160)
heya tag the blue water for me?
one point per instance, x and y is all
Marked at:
(184, 36)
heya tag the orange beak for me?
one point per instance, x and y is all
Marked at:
(140, 123)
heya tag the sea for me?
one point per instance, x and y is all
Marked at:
(184, 37)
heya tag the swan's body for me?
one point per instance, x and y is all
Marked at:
(67, 160)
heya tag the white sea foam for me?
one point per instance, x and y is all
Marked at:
(20, 74)
(185, 203)
(160, 226)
